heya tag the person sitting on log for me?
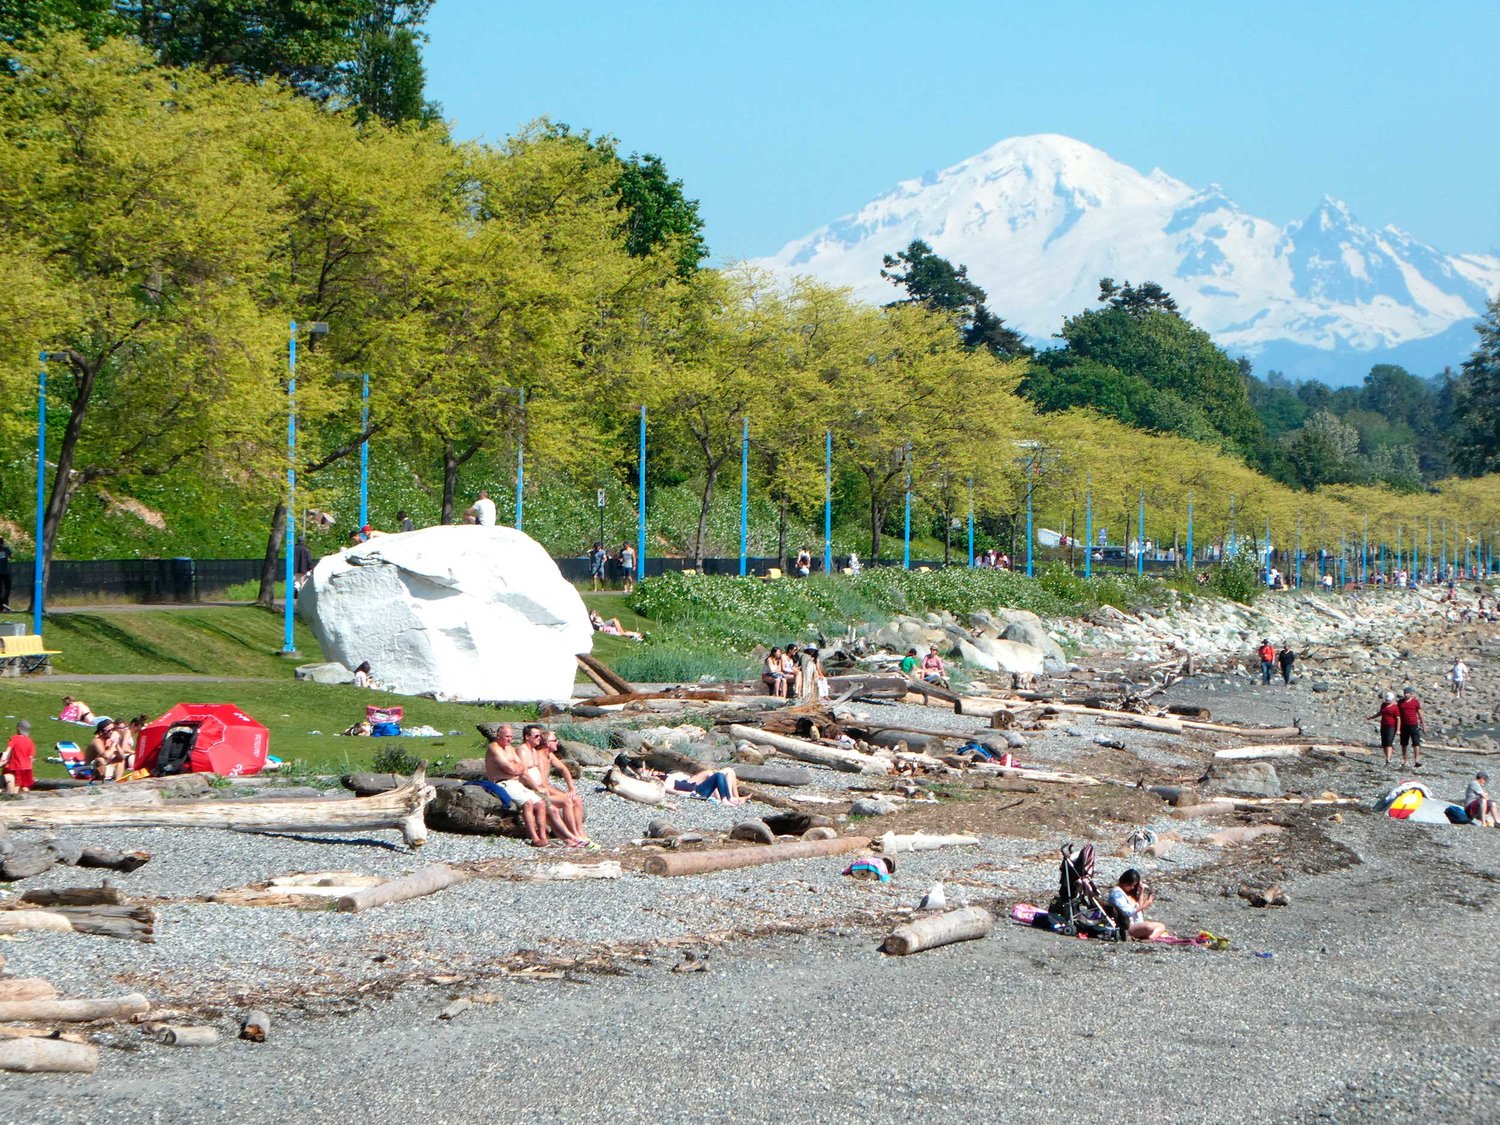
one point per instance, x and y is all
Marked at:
(537, 768)
(909, 664)
(773, 675)
(505, 767)
(1477, 802)
(1128, 899)
(933, 669)
(566, 809)
(791, 664)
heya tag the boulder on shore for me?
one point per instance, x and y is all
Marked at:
(463, 612)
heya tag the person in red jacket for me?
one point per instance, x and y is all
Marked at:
(1411, 725)
(1389, 715)
(16, 761)
(1267, 654)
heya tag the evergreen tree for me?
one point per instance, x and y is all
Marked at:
(1476, 401)
(931, 280)
(658, 212)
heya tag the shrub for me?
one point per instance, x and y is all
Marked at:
(394, 759)
(1237, 579)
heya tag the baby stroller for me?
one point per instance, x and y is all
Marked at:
(1079, 908)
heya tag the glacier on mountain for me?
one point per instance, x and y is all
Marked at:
(1039, 220)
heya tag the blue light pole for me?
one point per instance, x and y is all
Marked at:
(640, 519)
(1231, 525)
(38, 568)
(1298, 583)
(288, 642)
(364, 448)
(1364, 558)
(1088, 530)
(521, 459)
(971, 523)
(1030, 567)
(744, 494)
(906, 531)
(828, 502)
(1140, 530)
(1190, 559)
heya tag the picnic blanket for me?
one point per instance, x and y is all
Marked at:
(1025, 914)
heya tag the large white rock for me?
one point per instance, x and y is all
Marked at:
(467, 612)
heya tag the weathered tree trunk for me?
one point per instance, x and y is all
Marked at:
(86, 373)
(133, 923)
(271, 565)
(781, 552)
(256, 1026)
(27, 988)
(698, 863)
(427, 881)
(847, 761)
(172, 1035)
(944, 929)
(450, 481)
(400, 809)
(710, 479)
(75, 1011)
(48, 1056)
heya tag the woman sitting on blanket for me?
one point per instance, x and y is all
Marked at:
(1129, 899)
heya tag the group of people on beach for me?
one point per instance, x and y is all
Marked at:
(111, 750)
(785, 676)
(520, 775)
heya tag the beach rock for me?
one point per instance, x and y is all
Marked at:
(872, 806)
(1252, 779)
(1013, 657)
(974, 657)
(756, 831)
(464, 612)
(661, 830)
(1031, 632)
(328, 672)
(819, 834)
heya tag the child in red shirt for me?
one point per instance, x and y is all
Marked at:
(16, 761)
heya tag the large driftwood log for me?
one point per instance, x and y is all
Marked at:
(849, 761)
(943, 929)
(890, 843)
(729, 859)
(48, 1056)
(603, 675)
(1055, 777)
(177, 785)
(113, 860)
(75, 1011)
(471, 810)
(75, 896)
(173, 1035)
(871, 685)
(429, 880)
(986, 706)
(789, 777)
(634, 788)
(134, 923)
(400, 809)
(568, 872)
(1285, 750)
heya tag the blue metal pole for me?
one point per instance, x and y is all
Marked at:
(1030, 568)
(971, 523)
(1190, 559)
(1299, 551)
(288, 643)
(906, 530)
(1140, 530)
(1088, 532)
(1364, 555)
(744, 495)
(828, 502)
(1429, 547)
(38, 568)
(364, 449)
(640, 523)
(1231, 525)
(521, 460)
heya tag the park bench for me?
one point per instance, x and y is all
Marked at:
(24, 654)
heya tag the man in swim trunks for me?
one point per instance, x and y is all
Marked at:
(557, 804)
(505, 767)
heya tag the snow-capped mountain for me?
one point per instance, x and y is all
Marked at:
(1039, 220)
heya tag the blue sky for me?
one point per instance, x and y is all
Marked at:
(780, 116)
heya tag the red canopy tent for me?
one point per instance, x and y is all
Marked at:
(217, 738)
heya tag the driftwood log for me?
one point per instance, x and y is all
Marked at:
(401, 809)
(848, 761)
(75, 1011)
(788, 777)
(471, 810)
(942, 929)
(256, 1026)
(891, 844)
(603, 676)
(1054, 777)
(729, 859)
(871, 685)
(133, 923)
(634, 788)
(173, 1035)
(48, 1056)
(427, 881)
(1286, 750)
(75, 896)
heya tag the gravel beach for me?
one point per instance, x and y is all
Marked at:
(1371, 995)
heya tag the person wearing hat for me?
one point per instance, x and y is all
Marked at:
(1389, 715)
(1411, 724)
(1267, 654)
(1478, 803)
(17, 758)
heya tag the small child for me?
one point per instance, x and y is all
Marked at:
(17, 758)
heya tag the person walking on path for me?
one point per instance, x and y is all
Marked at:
(1389, 715)
(1267, 654)
(1286, 658)
(1411, 725)
(597, 558)
(1458, 675)
(627, 568)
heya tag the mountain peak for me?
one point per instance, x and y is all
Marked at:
(1039, 219)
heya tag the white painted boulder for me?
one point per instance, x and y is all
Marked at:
(1013, 657)
(466, 612)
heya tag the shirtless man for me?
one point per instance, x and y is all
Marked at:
(569, 803)
(505, 766)
(104, 752)
(558, 803)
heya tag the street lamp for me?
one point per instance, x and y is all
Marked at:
(38, 567)
(313, 328)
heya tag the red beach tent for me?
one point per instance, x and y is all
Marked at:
(204, 738)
